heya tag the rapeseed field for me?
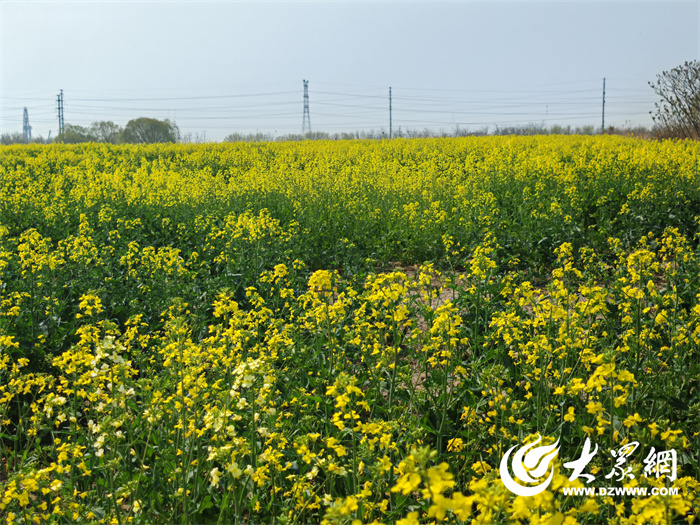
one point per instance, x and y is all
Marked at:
(351, 332)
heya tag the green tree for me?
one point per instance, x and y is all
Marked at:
(12, 138)
(74, 134)
(678, 112)
(106, 131)
(148, 131)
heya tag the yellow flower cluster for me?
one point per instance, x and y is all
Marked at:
(251, 334)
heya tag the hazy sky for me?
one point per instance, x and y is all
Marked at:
(223, 67)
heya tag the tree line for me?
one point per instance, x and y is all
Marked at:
(137, 131)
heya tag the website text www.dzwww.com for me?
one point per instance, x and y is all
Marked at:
(620, 491)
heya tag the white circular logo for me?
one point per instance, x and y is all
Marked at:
(529, 466)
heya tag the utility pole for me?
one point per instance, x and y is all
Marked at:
(389, 111)
(60, 112)
(306, 120)
(603, 123)
(58, 107)
(26, 128)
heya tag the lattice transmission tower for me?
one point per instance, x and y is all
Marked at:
(306, 122)
(26, 128)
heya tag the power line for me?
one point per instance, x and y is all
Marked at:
(352, 110)
(204, 97)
